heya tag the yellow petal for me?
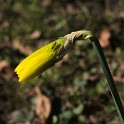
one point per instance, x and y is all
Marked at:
(38, 65)
(27, 60)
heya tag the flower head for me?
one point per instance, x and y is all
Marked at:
(39, 61)
(47, 56)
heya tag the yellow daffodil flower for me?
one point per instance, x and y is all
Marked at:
(47, 56)
(39, 61)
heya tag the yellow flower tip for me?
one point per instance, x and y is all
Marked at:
(22, 80)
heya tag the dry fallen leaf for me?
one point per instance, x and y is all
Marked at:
(35, 35)
(42, 106)
(93, 119)
(5, 70)
(18, 45)
(3, 64)
(104, 38)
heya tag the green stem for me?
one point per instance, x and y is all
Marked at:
(108, 75)
(84, 34)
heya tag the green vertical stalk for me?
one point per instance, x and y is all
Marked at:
(108, 75)
(84, 34)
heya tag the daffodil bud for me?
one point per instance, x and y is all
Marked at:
(39, 61)
(47, 56)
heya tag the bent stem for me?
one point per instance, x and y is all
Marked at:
(83, 35)
(108, 75)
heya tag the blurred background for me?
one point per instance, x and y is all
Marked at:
(75, 90)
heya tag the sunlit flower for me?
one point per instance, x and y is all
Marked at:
(39, 61)
(47, 56)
